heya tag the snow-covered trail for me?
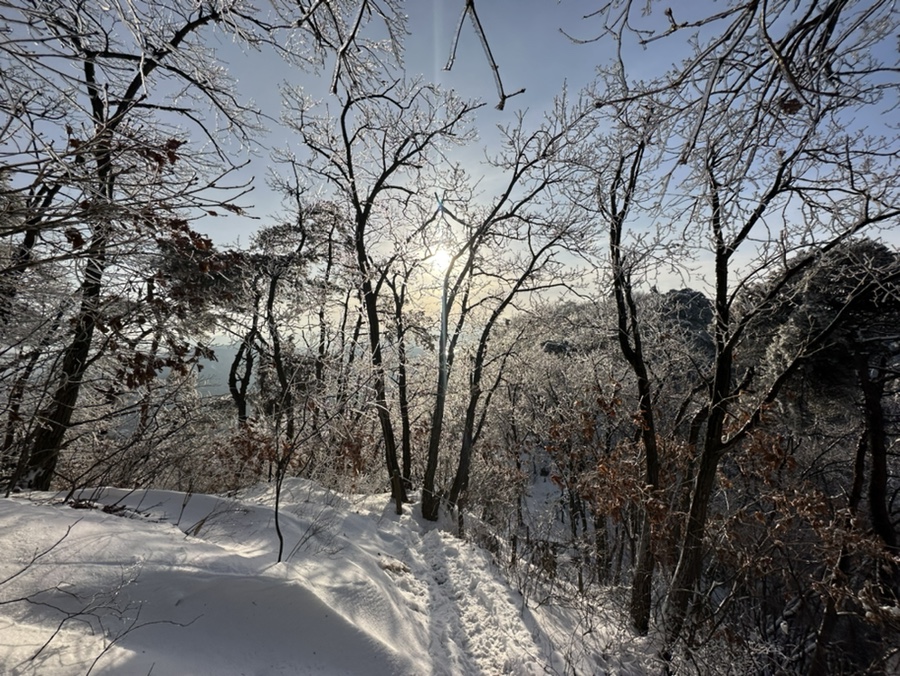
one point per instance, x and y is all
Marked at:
(182, 584)
(457, 607)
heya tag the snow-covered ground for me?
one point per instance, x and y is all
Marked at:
(163, 583)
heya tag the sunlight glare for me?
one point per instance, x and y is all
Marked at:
(440, 261)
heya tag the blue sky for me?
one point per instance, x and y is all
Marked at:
(527, 44)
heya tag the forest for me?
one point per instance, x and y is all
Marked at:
(674, 305)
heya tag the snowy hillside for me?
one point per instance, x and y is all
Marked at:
(173, 584)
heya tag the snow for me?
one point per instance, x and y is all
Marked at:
(157, 582)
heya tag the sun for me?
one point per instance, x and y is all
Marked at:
(440, 261)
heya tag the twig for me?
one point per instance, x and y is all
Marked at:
(479, 30)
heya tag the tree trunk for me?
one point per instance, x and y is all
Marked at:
(238, 384)
(403, 382)
(405, 425)
(690, 562)
(431, 501)
(36, 472)
(642, 582)
(873, 390)
(631, 346)
(461, 480)
(381, 406)
(819, 662)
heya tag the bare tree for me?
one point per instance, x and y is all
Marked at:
(621, 192)
(762, 160)
(113, 181)
(99, 103)
(502, 253)
(376, 155)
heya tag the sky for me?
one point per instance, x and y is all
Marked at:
(531, 44)
(527, 44)
(529, 40)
